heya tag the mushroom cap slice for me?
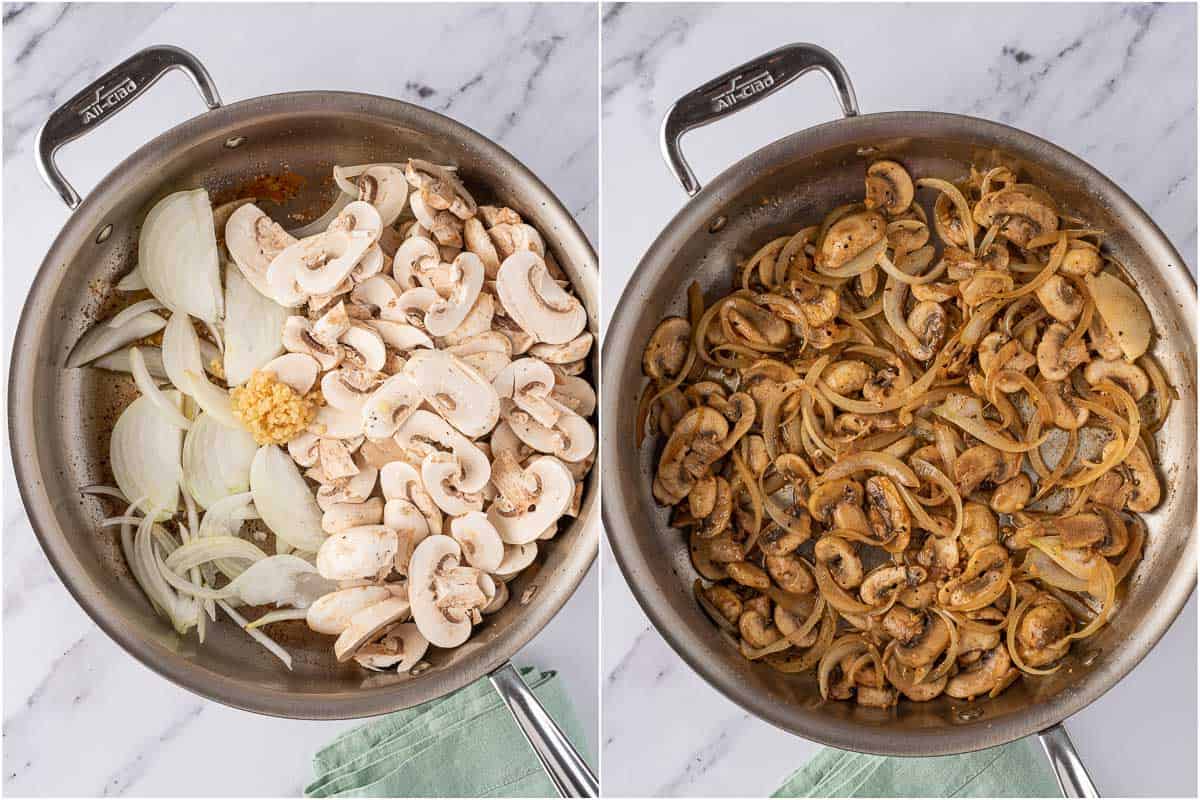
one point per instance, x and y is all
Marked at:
(529, 383)
(364, 347)
(1026, 212)
(443, 593)
(367, 623)
(458, 393)
(387, 408)
(479, 540)
(516, 558)
(555, 490)
(365, 551)
(254, 239)
(466, 282)
(331, 613)
(298, 337)
(441, 473)
(414, 257)
(400, 649)
(385, 188)
(889, 187)
(297, 370)
(533, 300)
(425, 426)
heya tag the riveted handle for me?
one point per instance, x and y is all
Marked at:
(107, 95)
(562, 762)
(1069, 770)
(743, 86)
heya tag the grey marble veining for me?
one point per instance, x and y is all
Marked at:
(1114, 84)
(80, 716)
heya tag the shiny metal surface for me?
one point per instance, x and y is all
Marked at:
(741, 87)
(60, 419)
(109, 94)
(793, 182)
(567, 770)
(1072, 775)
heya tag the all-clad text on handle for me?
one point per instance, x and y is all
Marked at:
(107, 95)
(744, 86)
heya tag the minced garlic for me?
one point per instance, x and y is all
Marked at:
(273, 411)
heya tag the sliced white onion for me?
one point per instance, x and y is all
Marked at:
(216, 460)
(253, 327)
(285, 580)
(257, 635)
(177, 255)
(103, 339)
(181, 351)
(106, 490)
(278, 616)
(118, 361)
(132, 282)
(145, 456)
(180, 610)
(284, 500)
(137, 309)
(212, 398)
(224, 518)
(203, 549)
(146, 385)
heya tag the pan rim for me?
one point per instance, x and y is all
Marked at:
(616, 516)
(24, 364)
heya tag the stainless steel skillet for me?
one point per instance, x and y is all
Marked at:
(60, 420)
(795, 180)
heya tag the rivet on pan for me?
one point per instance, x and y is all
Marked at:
(528, 594)
(717, 224)
(969, 713)
(421, 666)
(104, 233)
(234, 141)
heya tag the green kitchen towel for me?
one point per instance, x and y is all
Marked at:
(464, 745)
(1019, 769)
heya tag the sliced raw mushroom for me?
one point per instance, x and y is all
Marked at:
(355, 489)
(297, 370)
(529, 382)
(426, 433)
(536, 302)
(477, 322)
(342, 516)
(477, 241)
(366, 551)
(369, 623)
(465, 283)
(457, 392)
(440, 188)
(348, 388)
(331, 614)
(389, 405)
(479, 540)
(254, 239)
(574, 350)
(571, 438)
(555, 488)
(517, 557)
(400, 649)
(509, 238)
(304, 448)
(336, 459)
(445, 596)
(442, 475)
(384, 187)
(364, 347)
(298, 338)
(488, 353)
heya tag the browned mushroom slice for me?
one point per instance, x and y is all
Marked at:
(849, 237)
(889, 188)
(1024, 212)
(696, 441)
(667, 350)
(1041, 635)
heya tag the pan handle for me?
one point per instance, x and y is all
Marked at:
(104, 97)
(1072, 775)
(562, 762)
(743, 86)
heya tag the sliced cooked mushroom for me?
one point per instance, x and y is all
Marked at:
(841, 559)
(1130, 376)
(1060, 299)
(849, 237)
(696, 441)
(1024, 212)
(982, 676)
(1012, 495)
(889, 188)
(1055, 358)
(667, 349)
(1042, 632)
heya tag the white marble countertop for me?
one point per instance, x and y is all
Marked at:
(1114, 85)
(80, 716)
